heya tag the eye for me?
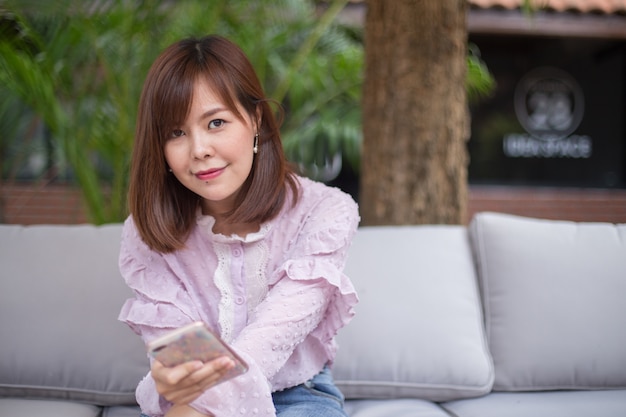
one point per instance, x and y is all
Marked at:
(176, 133)
(214, 124)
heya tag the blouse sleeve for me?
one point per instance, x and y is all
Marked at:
(162, 304)
(310, 292)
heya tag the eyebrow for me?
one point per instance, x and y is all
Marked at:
(211, 112)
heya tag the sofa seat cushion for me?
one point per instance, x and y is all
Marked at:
(418, 330)
(542, 404)
(121, 411)
(554, 294)
(60, 295)
(21, 407)
(395, 408)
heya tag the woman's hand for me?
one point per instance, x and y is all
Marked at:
(184, 383)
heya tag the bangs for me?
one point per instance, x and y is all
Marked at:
(173, 102)
(222, 84)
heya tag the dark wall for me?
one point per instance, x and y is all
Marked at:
(569, 128)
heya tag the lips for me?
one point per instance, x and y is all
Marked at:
(209, 174)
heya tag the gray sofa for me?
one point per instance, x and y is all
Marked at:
(548, 338)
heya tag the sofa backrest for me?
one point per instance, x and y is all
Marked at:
(60, 295)
(554, 294)
(418, 329)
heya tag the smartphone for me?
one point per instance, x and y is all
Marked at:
(194, 342)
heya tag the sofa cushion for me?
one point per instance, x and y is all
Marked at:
(555, 301)
(20, 407)
(408, 407)
(60, 295)
(418, 329)
(121, 411)
(542, 404)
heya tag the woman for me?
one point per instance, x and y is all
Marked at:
(222, 231)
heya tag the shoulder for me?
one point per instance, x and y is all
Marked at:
(323, 220)
(129, 230)
(132, 245)
(314, 191)
(318, 208)
(316, 197)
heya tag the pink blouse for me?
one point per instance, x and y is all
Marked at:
(277, 296)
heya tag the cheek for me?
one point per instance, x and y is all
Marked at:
(172, 155)
(239, 148)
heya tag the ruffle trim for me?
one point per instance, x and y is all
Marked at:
(221, 278)
(151, 287)
(308, 262)
(340, 309)
(140, 314)
(336, 238)
(159, 303)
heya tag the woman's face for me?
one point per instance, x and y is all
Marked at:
(211, 153)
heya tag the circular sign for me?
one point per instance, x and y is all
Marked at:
(549, 103)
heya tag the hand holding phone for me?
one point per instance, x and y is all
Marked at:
(194, 342)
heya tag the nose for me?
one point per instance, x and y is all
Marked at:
(201, 146)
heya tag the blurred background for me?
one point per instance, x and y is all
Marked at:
(546, 92)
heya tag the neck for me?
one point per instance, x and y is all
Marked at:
(239, 229)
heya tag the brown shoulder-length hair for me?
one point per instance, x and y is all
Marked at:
(163, 210)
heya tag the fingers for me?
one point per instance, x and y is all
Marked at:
(209, 374)
(173, 375)
(184, 383)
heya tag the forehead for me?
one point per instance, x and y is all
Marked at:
(204, 95)
(207, 95)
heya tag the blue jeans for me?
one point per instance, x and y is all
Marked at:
(317, 397)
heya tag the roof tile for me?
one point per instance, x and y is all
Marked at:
(582, 6)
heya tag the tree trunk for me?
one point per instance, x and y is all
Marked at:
(415, 115)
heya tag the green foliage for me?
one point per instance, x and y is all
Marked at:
(480, 82)
(77, 68)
